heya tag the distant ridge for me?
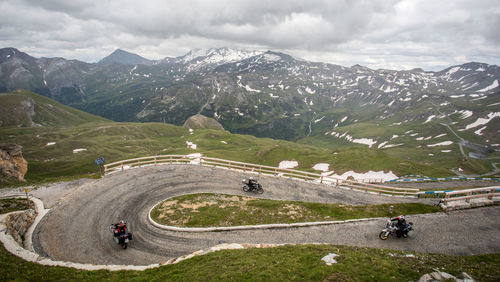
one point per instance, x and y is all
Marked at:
(125, 58)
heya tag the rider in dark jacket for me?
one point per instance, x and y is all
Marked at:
(252, 183)
(400, 224)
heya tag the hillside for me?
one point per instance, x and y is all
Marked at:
(447, 119)
(55, 153)
(25, 109)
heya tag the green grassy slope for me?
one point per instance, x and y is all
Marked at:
(117, 141)
(47, 112)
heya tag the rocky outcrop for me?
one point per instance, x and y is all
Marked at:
(18, 224)
(12, 163)
(201, 122)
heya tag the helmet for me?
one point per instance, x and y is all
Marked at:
(122, 222)
(401, 217)
(251, 177)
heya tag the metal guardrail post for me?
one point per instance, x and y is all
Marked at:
(122, 165)
(490, 196)
(321, 179)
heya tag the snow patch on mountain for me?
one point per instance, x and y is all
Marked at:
(465, 114)
(429, 118)
(482, 121)
(445, 143)
(492, 86)
(480, 131)
(271, 57)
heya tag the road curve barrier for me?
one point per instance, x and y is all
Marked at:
(259, 169)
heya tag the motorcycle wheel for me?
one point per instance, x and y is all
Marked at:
(260, 190)
(246, 188)
(383, 235)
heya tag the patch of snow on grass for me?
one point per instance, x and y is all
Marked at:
(322, 167)
(391, 146)
(492, 86)
(191, 145)
(288, 164)
(330, 258)
(50, 144)
(368, 175)
(223, 142)
(483, 121)
(78, 150)
(250, 89)
(466, 114)
(394, 136)
(440, 135)
(445, 143)
(457, 96)
(365, 141)
(309, 90)
(479, 131)
(446, 151)
(318, 120)
(429, 118)
(382, 144)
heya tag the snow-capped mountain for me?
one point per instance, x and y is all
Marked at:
(199, 59)
(262, 93)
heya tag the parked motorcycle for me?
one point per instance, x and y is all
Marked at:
(392, 229)
(121, 239)
(252, 186)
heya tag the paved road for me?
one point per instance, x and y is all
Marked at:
(76, 228)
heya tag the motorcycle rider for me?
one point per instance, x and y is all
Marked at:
(400, 223)
(120, 228)
(252, 183)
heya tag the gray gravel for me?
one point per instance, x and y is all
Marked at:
(77, 227)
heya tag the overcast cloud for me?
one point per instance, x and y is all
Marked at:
(392, 34)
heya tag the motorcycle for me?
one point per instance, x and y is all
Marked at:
(121, 239)
(256, 188)
(391, 229)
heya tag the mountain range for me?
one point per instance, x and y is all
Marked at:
(271, 94)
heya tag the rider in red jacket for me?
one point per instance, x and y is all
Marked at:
(120, 228)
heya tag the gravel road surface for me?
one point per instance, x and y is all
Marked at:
(77, 227)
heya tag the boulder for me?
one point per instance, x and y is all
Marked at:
(12, 163)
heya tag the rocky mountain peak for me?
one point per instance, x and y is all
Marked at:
(125, 58)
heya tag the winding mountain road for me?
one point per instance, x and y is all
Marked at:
(76, 228)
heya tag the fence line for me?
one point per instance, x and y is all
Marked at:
(255, 168)
(487, 192)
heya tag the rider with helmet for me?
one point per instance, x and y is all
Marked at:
(400, 223)
(120, 228)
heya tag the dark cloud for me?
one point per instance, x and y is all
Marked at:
(408, 33)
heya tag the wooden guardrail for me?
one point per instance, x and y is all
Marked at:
(468, 194)
(255, 168)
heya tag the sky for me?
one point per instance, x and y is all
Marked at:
(389, 34)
